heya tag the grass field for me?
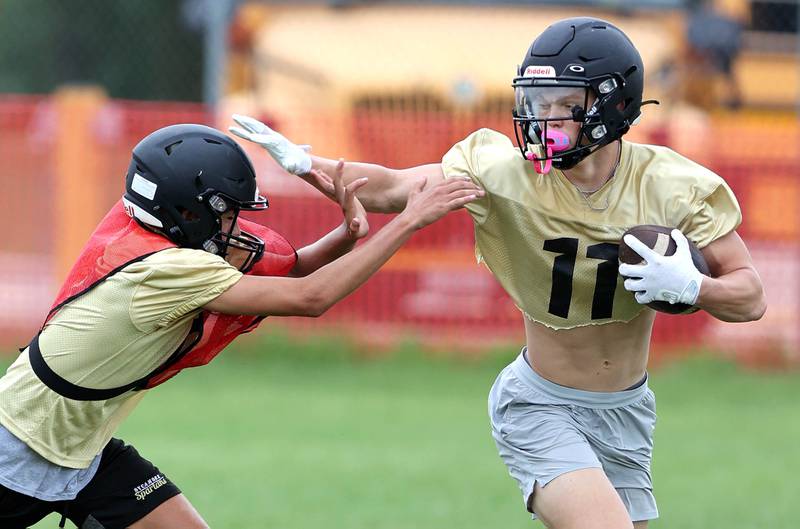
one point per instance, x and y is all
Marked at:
(274, 435)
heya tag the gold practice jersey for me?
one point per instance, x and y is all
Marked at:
(554, 250)
(116, 333)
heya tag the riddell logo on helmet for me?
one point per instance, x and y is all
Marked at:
(539, 71)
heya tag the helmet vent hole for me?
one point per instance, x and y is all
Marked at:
(629, 71)
(215, 142)
(171, 147)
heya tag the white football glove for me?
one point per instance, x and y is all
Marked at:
(673, 278)
(293, 158)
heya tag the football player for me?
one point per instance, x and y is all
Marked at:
(167, 280)
(573, 416)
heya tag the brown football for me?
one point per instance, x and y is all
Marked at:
(659, 239)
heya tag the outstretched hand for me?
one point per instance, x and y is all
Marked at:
(322, 182)
(293, 158)
(426, 206)
(355, 216)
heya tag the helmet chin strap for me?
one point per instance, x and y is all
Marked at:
(554, 141)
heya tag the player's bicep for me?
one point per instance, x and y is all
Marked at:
(727, 254)
(404, 180)
(264, 296)
(432, 172)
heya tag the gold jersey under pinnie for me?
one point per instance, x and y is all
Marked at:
(554, 250)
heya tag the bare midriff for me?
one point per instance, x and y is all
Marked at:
(609, 357)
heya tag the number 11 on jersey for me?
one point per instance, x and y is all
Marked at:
(564, 268)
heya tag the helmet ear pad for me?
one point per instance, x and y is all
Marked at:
(617, 109)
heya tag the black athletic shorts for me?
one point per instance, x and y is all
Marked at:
(125, 489)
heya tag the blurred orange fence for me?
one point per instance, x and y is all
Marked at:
(432, 289)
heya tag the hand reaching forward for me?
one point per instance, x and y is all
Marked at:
(426, 206)
(355, 216)
(293, 158)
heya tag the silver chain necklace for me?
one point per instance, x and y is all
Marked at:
(586, 194)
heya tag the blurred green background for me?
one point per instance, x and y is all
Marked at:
(289, 433)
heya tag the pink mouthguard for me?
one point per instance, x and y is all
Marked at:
(554, 141)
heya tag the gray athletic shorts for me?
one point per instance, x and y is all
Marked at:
(544, 430)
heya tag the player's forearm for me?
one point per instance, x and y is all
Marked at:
(326, 286)
(315, 293)
(734, 297)
(382, 194)
(329, 248)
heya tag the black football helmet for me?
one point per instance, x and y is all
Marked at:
(183, 178)
(599, 67)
